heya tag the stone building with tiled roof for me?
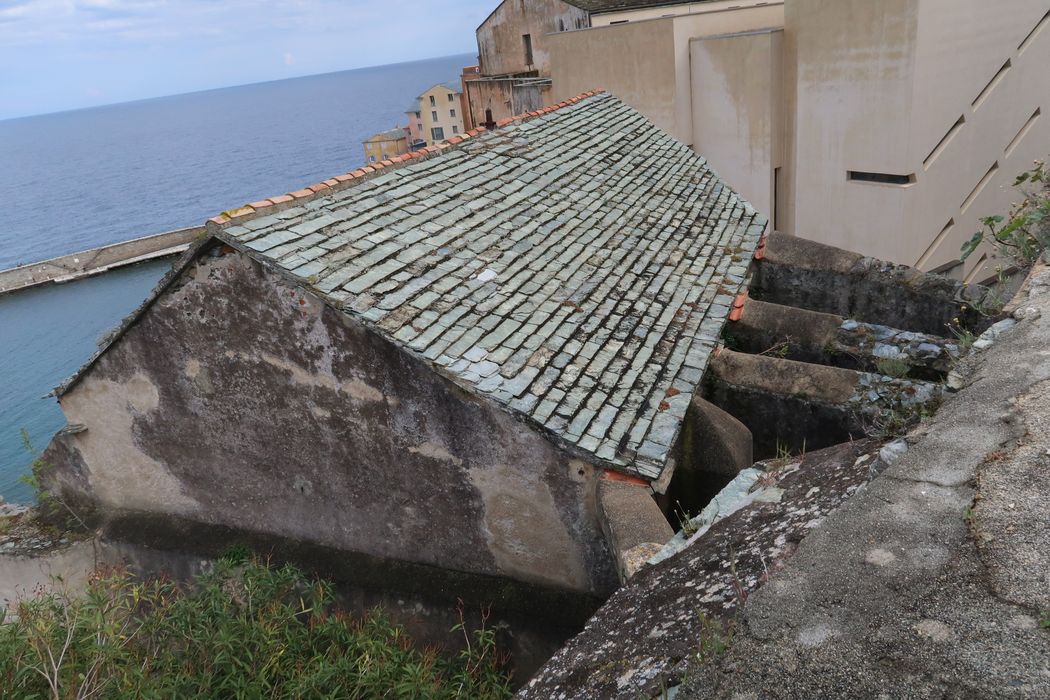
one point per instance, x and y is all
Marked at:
(386, 144)
(435, 360)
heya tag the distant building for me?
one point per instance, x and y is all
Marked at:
(469, 73)
(386, 144)
(878, 127)
(441, 110)
(416, 140)
(514, 64)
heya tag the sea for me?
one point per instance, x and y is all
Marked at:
(75, 180)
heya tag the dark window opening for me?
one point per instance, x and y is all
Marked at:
(881, 178)
(437, 133)
(526, 39)
(561, 25)
(490, 123)
(776, 197)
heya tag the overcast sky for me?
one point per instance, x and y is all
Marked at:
(66, 54)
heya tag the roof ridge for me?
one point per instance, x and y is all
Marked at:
(340, 182)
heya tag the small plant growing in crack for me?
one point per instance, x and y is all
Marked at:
(892, 367)
(685, 521)
(715, 637)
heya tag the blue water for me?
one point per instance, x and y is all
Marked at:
(77, 180)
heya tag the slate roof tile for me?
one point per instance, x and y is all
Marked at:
(573, 266)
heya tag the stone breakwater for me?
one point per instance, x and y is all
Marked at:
(97, 260)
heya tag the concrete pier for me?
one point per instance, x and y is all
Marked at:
(97, 260)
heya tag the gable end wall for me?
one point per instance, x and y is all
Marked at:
(241, 400)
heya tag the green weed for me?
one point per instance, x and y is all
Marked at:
(244, 630)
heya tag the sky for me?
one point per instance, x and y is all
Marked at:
(67, 54)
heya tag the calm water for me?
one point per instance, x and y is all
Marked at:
(77, 180)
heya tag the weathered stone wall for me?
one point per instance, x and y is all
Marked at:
(501, 48)
(240, 400)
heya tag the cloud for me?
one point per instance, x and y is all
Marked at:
(143, 48)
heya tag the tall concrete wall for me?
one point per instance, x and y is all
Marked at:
(946, 93)
(646, 63)
(634, 61)
(685, 8)
(239, 400)
(736, 110)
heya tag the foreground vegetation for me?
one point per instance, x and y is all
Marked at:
(245, 630)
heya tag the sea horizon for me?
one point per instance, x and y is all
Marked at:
(234, 86)
(78, 179)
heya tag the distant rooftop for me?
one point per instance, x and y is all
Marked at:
(453, 85)
(600, 6)
(576, 266)
(391, 135)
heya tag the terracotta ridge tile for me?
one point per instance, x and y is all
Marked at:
(609, 475)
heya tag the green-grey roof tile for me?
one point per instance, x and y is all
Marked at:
(568, 267)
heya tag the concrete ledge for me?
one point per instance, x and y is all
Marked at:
(713, 447)
(653, 626)
(773, 375)
(830, 339)
(798, 272)
(798, 406)
(634, 526)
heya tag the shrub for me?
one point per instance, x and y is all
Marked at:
(1024, 234)
(245, 630)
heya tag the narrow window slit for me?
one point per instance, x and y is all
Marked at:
(945, 232)
(881, 178)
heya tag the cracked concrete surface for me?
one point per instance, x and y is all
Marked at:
(932, 581)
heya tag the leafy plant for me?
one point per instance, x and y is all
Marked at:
(892, 367)
(242, 631)
(1024, 234)
(963, 335)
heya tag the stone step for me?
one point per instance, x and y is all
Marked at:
(792, 406)
(793, 271)
(829, 339)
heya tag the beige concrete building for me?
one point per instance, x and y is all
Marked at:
(441, 112)
(386, 144)
(889, 127)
